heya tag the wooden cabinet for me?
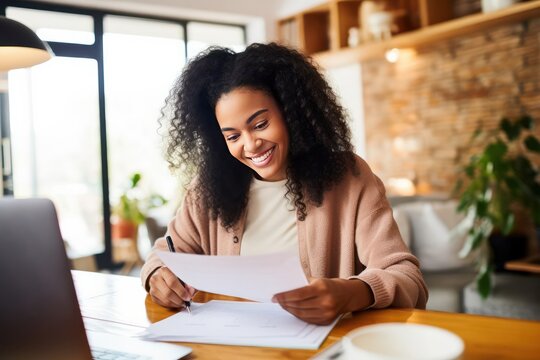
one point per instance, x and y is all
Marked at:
(323, 31)
(309, 31)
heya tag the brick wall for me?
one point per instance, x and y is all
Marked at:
(420, 112)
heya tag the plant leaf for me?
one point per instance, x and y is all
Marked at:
(496, 151)
(532, 143)
(526, 122)
(470, 169)
(511, 130)
(481, 208)
(135, 178)
(483, 281)
(511, 183)
(467, 247)
(508, 224)
(478, 238)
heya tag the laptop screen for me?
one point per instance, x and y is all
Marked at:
(39, 313)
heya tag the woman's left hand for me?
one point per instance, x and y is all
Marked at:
(323, 300)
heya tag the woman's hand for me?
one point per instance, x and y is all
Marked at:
(167, 290)
(324, 299)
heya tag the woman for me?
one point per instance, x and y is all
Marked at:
(273, 170)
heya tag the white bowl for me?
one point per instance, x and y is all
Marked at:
(401, 341)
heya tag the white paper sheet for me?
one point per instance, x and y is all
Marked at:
(233, 323)
(255, 278)
(234, 318)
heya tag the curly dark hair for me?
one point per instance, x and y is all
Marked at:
(320, 150)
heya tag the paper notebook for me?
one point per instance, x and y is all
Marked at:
(239, 323)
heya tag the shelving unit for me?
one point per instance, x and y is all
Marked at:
(326, 40)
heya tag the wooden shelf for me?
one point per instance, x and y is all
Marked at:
(531, 264)
(430, 34)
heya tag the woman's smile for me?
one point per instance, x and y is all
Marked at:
(262, 159)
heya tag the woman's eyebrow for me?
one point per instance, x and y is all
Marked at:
(249, 119)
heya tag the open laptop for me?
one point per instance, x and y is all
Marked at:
(39, 313)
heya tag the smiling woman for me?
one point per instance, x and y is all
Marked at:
(274, 170)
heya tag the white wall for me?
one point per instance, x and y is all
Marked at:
(347, 83)
(258, 16)
(289, 7)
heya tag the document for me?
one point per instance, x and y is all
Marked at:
(239, 323)
(257, 277)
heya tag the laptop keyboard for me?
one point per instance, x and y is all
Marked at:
(106, 354)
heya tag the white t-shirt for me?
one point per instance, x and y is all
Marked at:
(271, 220)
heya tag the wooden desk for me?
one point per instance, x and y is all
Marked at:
(118, 304)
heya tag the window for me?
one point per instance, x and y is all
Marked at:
(55, 145)
(142, 60)
(84, 121)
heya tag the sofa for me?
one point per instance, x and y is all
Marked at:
(430, 226)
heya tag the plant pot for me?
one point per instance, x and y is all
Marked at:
(124, 229)
(506, 248)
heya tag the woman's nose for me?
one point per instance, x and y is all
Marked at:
(252, 144)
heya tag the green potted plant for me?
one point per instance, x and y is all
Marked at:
(496, 181)
(130, 211)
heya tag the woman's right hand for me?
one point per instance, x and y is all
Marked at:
(167, 290)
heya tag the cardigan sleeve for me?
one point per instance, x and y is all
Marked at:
(187, 231)
(391, 271)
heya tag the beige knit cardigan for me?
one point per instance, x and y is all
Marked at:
(351, 235)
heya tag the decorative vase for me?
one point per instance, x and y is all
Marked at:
(353, 39)
(365, 10)
(380, 25)
(494, 5)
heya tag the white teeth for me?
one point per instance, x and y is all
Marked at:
(263, 157)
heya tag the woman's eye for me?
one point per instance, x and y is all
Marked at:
(261, 125)
(232, 137)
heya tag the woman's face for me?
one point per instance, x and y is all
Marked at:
(254, 131)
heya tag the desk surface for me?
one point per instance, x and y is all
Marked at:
(119, 305)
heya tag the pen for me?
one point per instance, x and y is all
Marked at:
(171, 249)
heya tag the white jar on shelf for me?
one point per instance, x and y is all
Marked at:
(353, 39)
(380, 25)
(494, 5)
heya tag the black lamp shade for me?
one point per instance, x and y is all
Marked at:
(20, 46)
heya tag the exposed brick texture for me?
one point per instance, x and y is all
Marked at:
(421, 112)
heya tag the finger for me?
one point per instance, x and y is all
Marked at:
(191, 290)
(165, 302)
(313, 316)
(161, 299)
(314, 303)
(166, 296)
(174, 284)
(160, 289)
(300, 294)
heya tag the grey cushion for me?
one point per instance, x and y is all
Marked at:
(446, 288)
